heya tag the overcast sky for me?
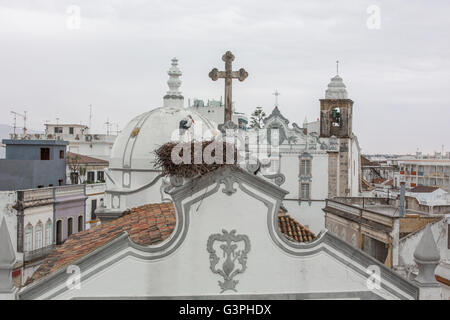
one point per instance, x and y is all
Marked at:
(398, 74)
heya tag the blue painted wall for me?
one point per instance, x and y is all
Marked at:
(23, 169)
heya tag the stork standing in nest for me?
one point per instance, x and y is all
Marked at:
(185, 124)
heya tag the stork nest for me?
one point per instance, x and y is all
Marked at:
(195, 165)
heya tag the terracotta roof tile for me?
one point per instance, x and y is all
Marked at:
(294, 230)
(136, 222)
(82, 159)
(378, 180)
(424, 189)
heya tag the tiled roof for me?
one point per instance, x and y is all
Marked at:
(82, 159)
(424, 189)
(146, 225)
(367, 162)
(294, 230)
(378, 180)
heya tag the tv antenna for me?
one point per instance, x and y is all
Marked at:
(24, 117)
(108, 126)
(90, 116)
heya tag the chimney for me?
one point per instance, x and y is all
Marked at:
(402, 199)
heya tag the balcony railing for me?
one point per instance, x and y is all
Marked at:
(29, 256)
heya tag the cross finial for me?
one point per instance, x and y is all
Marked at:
(228, 75)
(276, 94)
(337, 67)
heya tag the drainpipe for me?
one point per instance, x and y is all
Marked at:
(402, 199)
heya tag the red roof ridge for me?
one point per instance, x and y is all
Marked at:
(424, 189)
(84, 158)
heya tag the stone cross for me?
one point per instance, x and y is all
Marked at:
(228, 75)
(276, 94)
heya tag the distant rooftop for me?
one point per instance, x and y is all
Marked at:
(424, 189)
(427, 160)
(35, 142)
(66, 125)
(82, 159)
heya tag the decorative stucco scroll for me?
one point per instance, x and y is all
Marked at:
(235, 248)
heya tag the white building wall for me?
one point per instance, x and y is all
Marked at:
(289, 167)
(309, 214)
(96, 192)
(101, 150)
(408, 245)
(319, 188)
(354, 169)
(33, 215)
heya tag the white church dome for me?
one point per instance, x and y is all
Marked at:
(135, 145)
(336, 89)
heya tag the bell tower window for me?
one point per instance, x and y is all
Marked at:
(336, 117)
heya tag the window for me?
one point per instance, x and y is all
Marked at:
(38, 235)
(336, 117)
(305, 167)
(58, 232)
(448, 236)
(48, 233)
(93, 207)
(58, 130)
(100, 176)
(70, 130)
(45, 153)
(80, 223)
(28, 244)
(61, 154)
(91, 176)
(304, 191)
(69, 227)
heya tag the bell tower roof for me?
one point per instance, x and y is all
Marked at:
(336, 89)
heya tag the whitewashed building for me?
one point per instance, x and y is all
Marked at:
(213, 110)
(81, 140)
(424, 172)
(317, 161)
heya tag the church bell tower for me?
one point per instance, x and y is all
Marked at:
(336, 111)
